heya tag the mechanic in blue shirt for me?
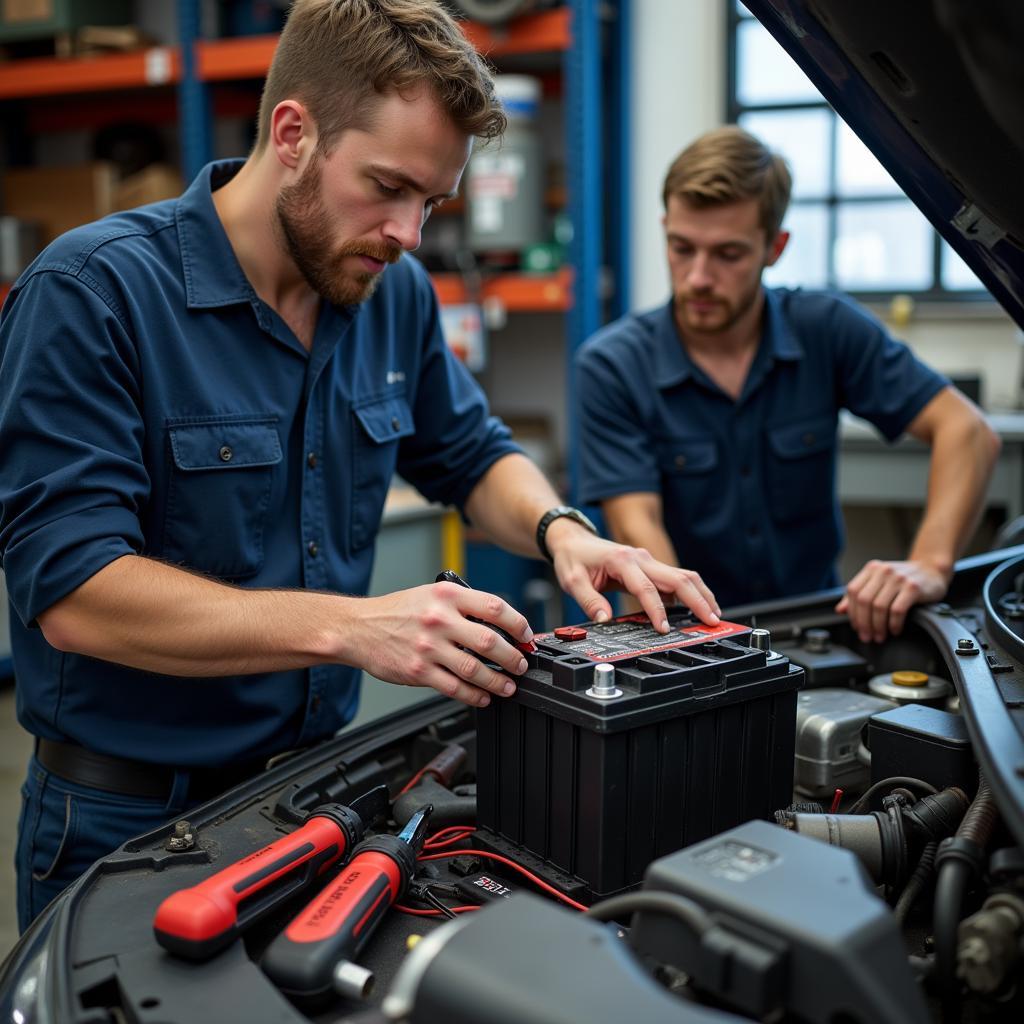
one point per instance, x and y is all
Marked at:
(708, 426)
(203, 403)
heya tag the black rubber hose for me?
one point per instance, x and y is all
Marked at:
(916, 883)
(954, 874)
(682, 909)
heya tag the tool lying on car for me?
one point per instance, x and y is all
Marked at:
(312, 958)
(449, 576)
(201, 920)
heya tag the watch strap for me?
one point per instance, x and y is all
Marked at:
(559, 512)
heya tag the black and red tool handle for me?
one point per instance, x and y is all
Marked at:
(335, 926)
(198, 922)
(450, 576)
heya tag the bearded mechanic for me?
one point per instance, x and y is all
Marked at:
(708, 426)
(203, 403)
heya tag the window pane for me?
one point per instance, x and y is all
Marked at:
(804, 263)
(956, 275)
(765, 72)
(883, 247)
(803, 137)
(858, 173)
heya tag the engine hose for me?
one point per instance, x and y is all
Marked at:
(959, 859)
(916, 883)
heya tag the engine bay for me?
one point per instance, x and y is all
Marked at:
(764, 821)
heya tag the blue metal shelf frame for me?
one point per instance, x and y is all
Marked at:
(595, 82)
(620, 156)
(194, 103)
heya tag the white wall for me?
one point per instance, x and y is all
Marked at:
(678, 76)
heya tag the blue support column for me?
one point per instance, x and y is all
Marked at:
(584, 88)
(194, 108)
(620, 155)
(583, 91)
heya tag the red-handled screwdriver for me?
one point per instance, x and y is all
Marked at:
(199, 921)
(450, 576)
(319, 945)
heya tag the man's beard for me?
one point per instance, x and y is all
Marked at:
(719, 321)
(304, 222)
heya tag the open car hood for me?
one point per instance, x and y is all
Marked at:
(935, 89)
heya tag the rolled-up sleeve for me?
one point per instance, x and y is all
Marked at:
(616, 452)
(456, 438)
(72, 477)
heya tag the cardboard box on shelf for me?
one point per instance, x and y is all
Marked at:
(59, 198)
(150, 185)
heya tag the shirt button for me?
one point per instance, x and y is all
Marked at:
(312, 548)
(809, 439)
(311, 460)
(395, 422)
(680, 461)
(225, 453)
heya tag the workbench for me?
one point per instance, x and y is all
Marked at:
(874, 472)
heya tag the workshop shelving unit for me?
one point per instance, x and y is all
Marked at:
(592, 40)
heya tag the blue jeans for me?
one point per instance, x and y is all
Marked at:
(64, 828)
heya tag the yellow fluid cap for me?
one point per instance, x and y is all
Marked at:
(411, 941)
(910, 678)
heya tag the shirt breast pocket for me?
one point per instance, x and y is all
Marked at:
(801, 468)
(380, 424)
(688, 468)
(219, 490)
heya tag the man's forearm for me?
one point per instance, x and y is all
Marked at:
(637, 520)
(508, 502)
(963, 457)
(159, 618)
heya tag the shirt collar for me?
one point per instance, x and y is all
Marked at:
(213, 275)
(673, 365)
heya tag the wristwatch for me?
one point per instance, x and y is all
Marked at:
(559, 512)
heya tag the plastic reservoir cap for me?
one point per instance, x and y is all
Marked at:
(909, 678)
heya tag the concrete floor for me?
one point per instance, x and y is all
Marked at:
(15, 746)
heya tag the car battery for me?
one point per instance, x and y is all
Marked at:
(829, 727)
(623, 744)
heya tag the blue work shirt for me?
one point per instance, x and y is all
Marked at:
(748, 485)
(151, 403)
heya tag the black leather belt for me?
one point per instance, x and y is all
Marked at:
(134, 778)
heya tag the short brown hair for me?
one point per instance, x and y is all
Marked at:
(727, 165)
(337, 56)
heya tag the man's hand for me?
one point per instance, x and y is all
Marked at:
(880, 595)
(586, 565)
(422, 637)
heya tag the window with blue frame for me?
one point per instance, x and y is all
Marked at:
(851, 225)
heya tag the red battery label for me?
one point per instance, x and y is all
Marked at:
(631, 636)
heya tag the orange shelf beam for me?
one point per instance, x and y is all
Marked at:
(242, 57)
(249, 56)
(52, 76)
(549, 31)
(518, 293)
